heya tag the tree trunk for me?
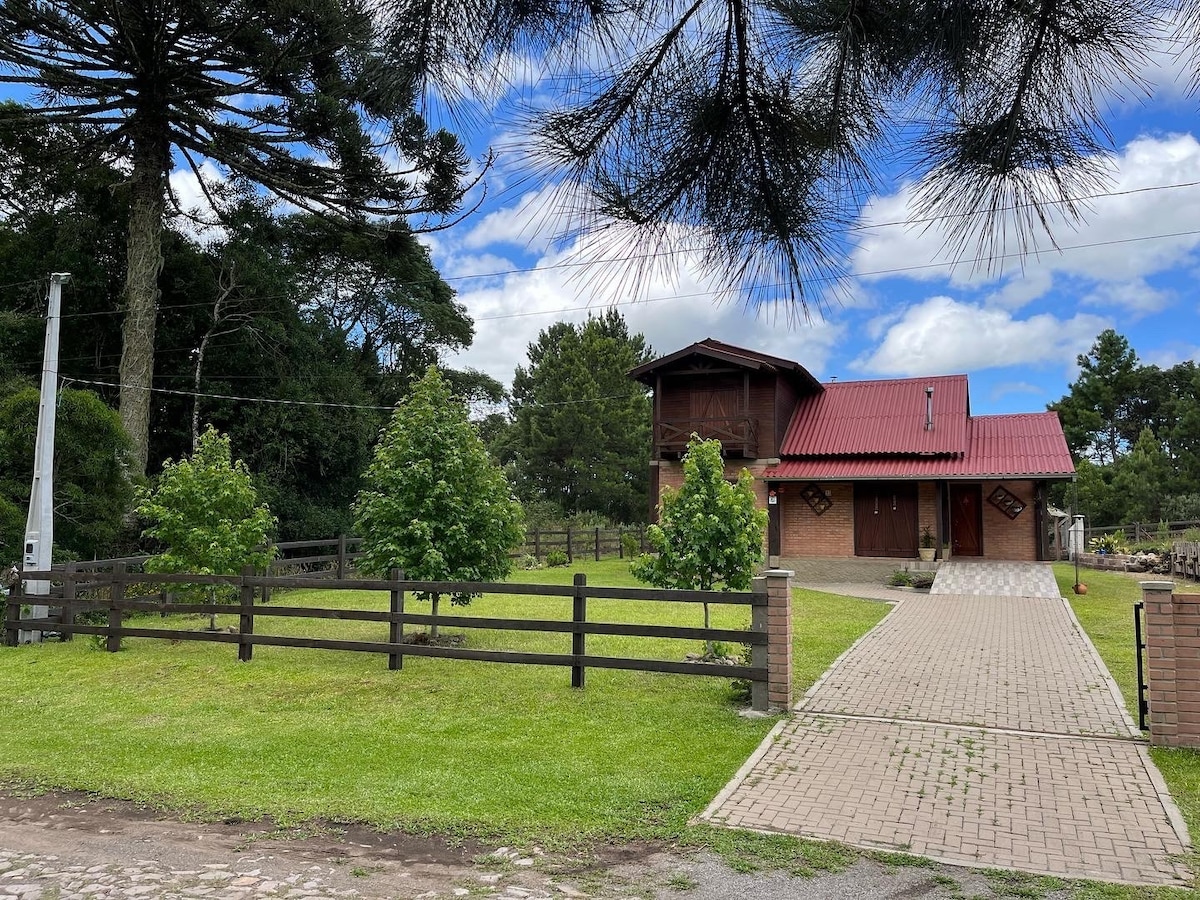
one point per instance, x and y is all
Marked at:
(433, 629)
(708, 645)
(143, 264)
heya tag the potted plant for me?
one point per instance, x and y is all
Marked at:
(928, 545)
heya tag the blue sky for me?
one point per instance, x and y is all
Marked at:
(1015, 329)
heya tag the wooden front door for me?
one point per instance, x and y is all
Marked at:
(966, 520)
(885, 519)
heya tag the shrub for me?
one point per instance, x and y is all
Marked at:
(529, 562)
(1113, 542)
(630, 545)
(556, 559)
(900, 578)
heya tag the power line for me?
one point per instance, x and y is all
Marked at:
(111, 384)
(633, 257)
(200, 394)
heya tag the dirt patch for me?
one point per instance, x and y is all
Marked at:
(81, 829)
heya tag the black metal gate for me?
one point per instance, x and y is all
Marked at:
(1139, 639)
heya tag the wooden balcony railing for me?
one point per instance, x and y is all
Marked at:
(738, 434)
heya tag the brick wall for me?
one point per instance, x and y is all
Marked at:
(670, 474)
(807, 534)
(1173, 664)
(1005, 538)
(927, 510)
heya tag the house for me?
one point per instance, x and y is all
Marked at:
(860, 468)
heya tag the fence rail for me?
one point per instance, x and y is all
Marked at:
(254, 594)
(1185, 559)
(340, 555)
(1139, 532)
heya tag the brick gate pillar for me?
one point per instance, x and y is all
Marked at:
(1173, 664)
(776, 693)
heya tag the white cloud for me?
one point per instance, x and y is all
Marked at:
(202, 221)
(1136, 296)
(672, 299)
(943, 335)
(1108, 248)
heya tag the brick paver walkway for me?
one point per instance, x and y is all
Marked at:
(975, 729)
(995, 579)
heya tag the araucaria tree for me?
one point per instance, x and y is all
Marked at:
(291, 96)
(205, 512)
(433, 503)
(709, 534)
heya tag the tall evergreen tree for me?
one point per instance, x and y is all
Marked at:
(291, 96)
(581, 428)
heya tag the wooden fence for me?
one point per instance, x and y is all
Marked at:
(1140, 532)
(69, 587)
(1185, 559)
(338, 557)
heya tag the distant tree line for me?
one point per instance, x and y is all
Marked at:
(290, 307)
(1134, 431)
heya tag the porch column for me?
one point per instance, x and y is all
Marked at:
(774, 535)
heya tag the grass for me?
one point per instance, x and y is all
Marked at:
(455, 747)
(1106, 614)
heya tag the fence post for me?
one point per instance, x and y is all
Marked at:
(597, 543)
(620, 543)
(246, 622)
(396, 623)
(68, 607)
(12, 616)
(341, 554)
(775, 618)
(570, 552)
(578, 616)
(116, 596)
(537, 543)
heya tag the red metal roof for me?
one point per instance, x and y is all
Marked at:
(855, 418)
(1007, 446)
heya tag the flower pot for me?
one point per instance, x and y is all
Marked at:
(927, 553)
(1081, 588)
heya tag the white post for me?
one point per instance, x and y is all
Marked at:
(39, 526)
(1075, 542)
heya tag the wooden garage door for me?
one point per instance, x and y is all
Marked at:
(885, 519)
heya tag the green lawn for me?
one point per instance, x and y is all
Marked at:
(453, 746)
(1106, 614)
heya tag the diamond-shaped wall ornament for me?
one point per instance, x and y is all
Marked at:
(1005, 502)
(816, 498)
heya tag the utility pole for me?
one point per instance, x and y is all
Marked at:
(39, 526)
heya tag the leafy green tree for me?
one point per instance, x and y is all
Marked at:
(581, 427)
(709, 534)
(432, 502)
(92, 489)
(291, 96)
(205, 513)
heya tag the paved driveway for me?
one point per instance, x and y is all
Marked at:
(975, 729)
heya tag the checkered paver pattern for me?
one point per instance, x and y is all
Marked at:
(977, 729)
(1000, 662)
(1072, 807)
(995, 579)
